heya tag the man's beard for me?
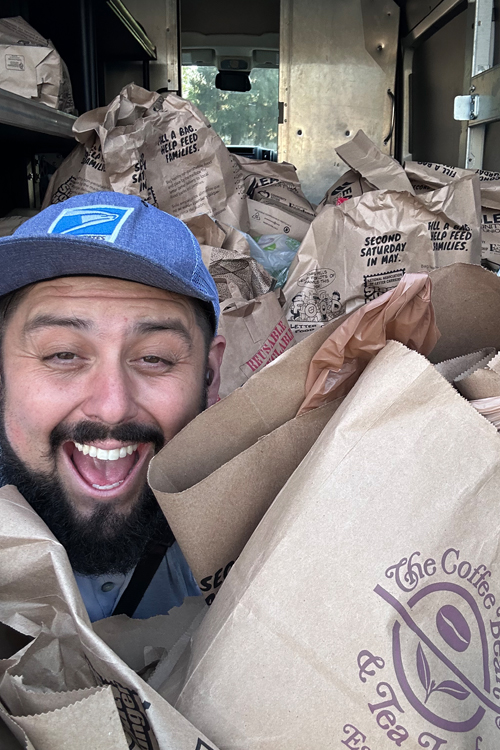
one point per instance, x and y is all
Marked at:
(107, 542)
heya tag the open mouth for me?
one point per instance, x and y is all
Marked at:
(106, 469)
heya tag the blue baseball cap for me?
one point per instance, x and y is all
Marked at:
(108, 234)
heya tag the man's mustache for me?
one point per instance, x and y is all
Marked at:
(90, 432)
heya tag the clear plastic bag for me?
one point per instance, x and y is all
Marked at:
(275, 253)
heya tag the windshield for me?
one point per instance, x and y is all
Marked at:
(241, 119)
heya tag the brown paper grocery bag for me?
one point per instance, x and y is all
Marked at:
(363, 612)
(31, 66)
(476, 377)
(466, 300)
(235, 272)
(356, 251)
(490, 234)
(275, 184)
(209, 525)
(481, 381)
(91, 722)
(454, 368)
(40, 599)
(213, 519)
(427, 176)
(371, 169)
(349, 185)
(266, 218)
(163, 149)
(197, 477)
(379, 169)
(256, 333)
(269, 399)
(12, 736)
(206, 230)
(143, 643)
(83, 171)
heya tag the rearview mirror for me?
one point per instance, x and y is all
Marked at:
(232, 80)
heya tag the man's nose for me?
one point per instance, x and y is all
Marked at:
(110, 397)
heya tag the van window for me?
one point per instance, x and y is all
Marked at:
(241, 119)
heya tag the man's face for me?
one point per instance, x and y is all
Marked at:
(98, 373)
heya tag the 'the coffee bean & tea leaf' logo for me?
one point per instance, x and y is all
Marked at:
(445, 654)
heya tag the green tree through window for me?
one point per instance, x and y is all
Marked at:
(240, 118)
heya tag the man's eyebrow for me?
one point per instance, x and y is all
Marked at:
(171, 324)
(142, 328)
(45, 320)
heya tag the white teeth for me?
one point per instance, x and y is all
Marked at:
(107, 486)
(104, 455)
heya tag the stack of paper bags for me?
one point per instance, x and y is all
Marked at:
(358, 248)
(61, 685)
(220, 474)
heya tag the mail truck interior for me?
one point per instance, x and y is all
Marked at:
(287, 80)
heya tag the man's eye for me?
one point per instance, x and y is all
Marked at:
(155, 363)
(63, 358)
(152, 360)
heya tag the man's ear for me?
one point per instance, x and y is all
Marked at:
(213, 368)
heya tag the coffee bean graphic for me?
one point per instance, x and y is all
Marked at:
(453, 628)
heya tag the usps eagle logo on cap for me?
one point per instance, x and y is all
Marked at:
(97, 222)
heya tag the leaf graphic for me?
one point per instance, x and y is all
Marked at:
(423, 670)
(454, 689)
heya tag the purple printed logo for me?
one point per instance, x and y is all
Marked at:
(445, 641)
(431, 656)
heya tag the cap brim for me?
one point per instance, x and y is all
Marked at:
(27, 260)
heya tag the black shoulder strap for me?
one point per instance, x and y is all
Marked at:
(141, 578)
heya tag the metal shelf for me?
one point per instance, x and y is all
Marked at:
(145, 48)
(25, 114)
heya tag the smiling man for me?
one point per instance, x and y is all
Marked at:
(108, 322)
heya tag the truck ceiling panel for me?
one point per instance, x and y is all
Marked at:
(220, 17)
(414, 11)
